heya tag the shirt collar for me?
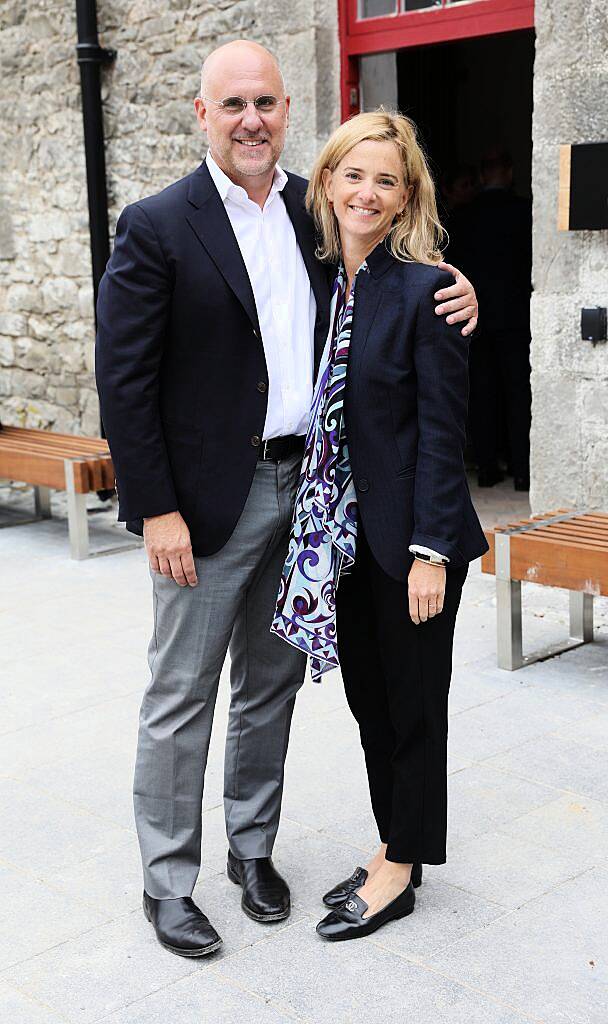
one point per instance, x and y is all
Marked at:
(227, 188)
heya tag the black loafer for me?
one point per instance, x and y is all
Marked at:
(347, 922)
(340, 892)
(265, 894)
(181, 927)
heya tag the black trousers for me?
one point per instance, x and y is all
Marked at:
(397, 677)
(499, 372)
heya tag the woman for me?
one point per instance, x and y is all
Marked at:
(384, 527)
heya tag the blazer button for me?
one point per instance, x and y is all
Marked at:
(262, 386)
(256, 441)
(363, 484)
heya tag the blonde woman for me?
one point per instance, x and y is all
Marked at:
(383, 526)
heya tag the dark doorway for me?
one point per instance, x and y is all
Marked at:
(469, 95)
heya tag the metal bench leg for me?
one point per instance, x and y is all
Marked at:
(77, 515)
(42, 502)
(581, 616)
(508, 607)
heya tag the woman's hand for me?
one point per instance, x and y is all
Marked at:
(426, 588)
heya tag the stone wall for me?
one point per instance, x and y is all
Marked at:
(152, 138)
(569, 376)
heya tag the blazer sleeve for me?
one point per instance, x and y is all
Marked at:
(133, 307)
(441, 364)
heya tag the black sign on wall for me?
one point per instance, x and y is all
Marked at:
(583, 187)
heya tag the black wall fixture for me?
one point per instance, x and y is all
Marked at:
(90, 57)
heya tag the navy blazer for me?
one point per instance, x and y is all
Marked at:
(180, 364)
(405, 413)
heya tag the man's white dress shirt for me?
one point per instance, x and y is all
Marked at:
(283, 296)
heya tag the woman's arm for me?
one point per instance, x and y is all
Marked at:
(441, 363)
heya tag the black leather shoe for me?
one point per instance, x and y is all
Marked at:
(265, 893)
(181, 927)
(347, 921)
(340, 892)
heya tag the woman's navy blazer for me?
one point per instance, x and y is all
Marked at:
(405, 412)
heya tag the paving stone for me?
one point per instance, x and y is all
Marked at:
(100, 783)
(34, 918)
(76, 734)
(591, 731)
(577, 826)
(444, 914)
(482, 798)
(119, 963)
(549, 958)
(40, 829)
(17, 1008)
(505, 869)
(485, 730)
(201, 998)
(350, 982)
(558, 762)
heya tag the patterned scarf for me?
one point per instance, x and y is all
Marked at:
(324, 528)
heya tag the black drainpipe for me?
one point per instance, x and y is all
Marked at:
(90, 56)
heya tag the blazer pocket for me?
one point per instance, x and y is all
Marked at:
(407, 471)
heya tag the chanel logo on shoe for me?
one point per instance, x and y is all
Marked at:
(351, 905)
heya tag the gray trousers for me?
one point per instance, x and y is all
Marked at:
(231, 607)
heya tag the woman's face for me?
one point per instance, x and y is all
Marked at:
(367, 191)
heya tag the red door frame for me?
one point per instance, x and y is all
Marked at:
(418, 28)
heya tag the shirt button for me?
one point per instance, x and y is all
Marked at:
(256, 441)
(363, 484)
(262, 387)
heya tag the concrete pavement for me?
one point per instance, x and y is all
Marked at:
(511, 929)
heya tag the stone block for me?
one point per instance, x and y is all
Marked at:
(7, 352)
(374, 984)
(52, 224)
(20, 1009)
(506, 870)
(124, 959)
(24, 298)
(59, 294)
(548, 959)
(13, 324)
(561, 763)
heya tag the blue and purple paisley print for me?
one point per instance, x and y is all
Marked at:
(324, 528)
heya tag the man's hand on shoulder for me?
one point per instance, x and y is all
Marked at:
(459, 300)
(167, 540)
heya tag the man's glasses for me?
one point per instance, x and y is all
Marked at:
(237, 105)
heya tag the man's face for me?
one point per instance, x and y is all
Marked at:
(248, 143)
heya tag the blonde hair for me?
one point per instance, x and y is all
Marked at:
(416, 234)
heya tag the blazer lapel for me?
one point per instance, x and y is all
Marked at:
(367, 298)
(208, 219)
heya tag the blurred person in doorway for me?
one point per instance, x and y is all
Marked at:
(492, 240)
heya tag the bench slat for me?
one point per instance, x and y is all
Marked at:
(42, 470)
(563, 563)
(92, 444)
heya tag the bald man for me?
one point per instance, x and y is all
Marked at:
(212, 316)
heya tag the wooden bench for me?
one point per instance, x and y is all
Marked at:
(77, 465)
(565, 549)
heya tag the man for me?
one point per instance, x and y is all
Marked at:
(499, 221)
(213, 313)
